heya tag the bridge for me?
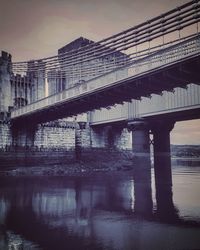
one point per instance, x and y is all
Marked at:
(175, 66)
(157, 55)
(150, 71)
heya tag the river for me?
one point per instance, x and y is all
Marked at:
(101, 211)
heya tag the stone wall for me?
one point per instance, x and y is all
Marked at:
(99, 137)
(23, 136)
(57, 136)
(5, 86)
(83, 135)
(110, 137)
(62, 134)
(5, 135)
(21, 90)
(59, 142)
(123, 139)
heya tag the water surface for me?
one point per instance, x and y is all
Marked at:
(115, 211)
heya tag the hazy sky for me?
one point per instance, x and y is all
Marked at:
(31, 29)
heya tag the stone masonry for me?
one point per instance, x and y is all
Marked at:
(5, 135)
(60, 136)
(5, 86)
(108, 136)
(17, 90)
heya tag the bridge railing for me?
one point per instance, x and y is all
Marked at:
(164, 57)
(117, 47)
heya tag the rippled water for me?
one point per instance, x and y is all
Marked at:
(118, 211)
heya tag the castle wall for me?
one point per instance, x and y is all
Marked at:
(60, 135)
(5, 87)
(19, 90)
(5, 135)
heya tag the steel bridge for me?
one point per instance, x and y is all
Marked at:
(161, 54)
(151, 71)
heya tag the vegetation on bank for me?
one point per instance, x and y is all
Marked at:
(188, 151)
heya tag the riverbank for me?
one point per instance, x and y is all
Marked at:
(62, 162)
(63, 170)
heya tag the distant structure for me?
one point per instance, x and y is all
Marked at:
(20, 90)
(58, 81)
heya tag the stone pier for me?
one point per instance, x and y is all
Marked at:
(82, 138)
(110, 136)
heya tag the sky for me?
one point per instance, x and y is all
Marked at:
(32, 29)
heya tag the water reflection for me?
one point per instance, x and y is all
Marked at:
(143, 205)
(93, 212)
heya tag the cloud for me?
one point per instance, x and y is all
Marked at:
(187, 132)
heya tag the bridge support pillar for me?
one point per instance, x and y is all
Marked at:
(23, 137)
(162, 157)
(140, 138)
(162, 166)
(81, 139)
(143, 204)
(142, 166)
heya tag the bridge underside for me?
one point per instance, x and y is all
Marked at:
(183, 115)
(175, 116)
(152, 82)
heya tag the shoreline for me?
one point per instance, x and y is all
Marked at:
(67, 169)
(79, 168)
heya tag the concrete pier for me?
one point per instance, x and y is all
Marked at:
(140, 137)
(162, 158)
